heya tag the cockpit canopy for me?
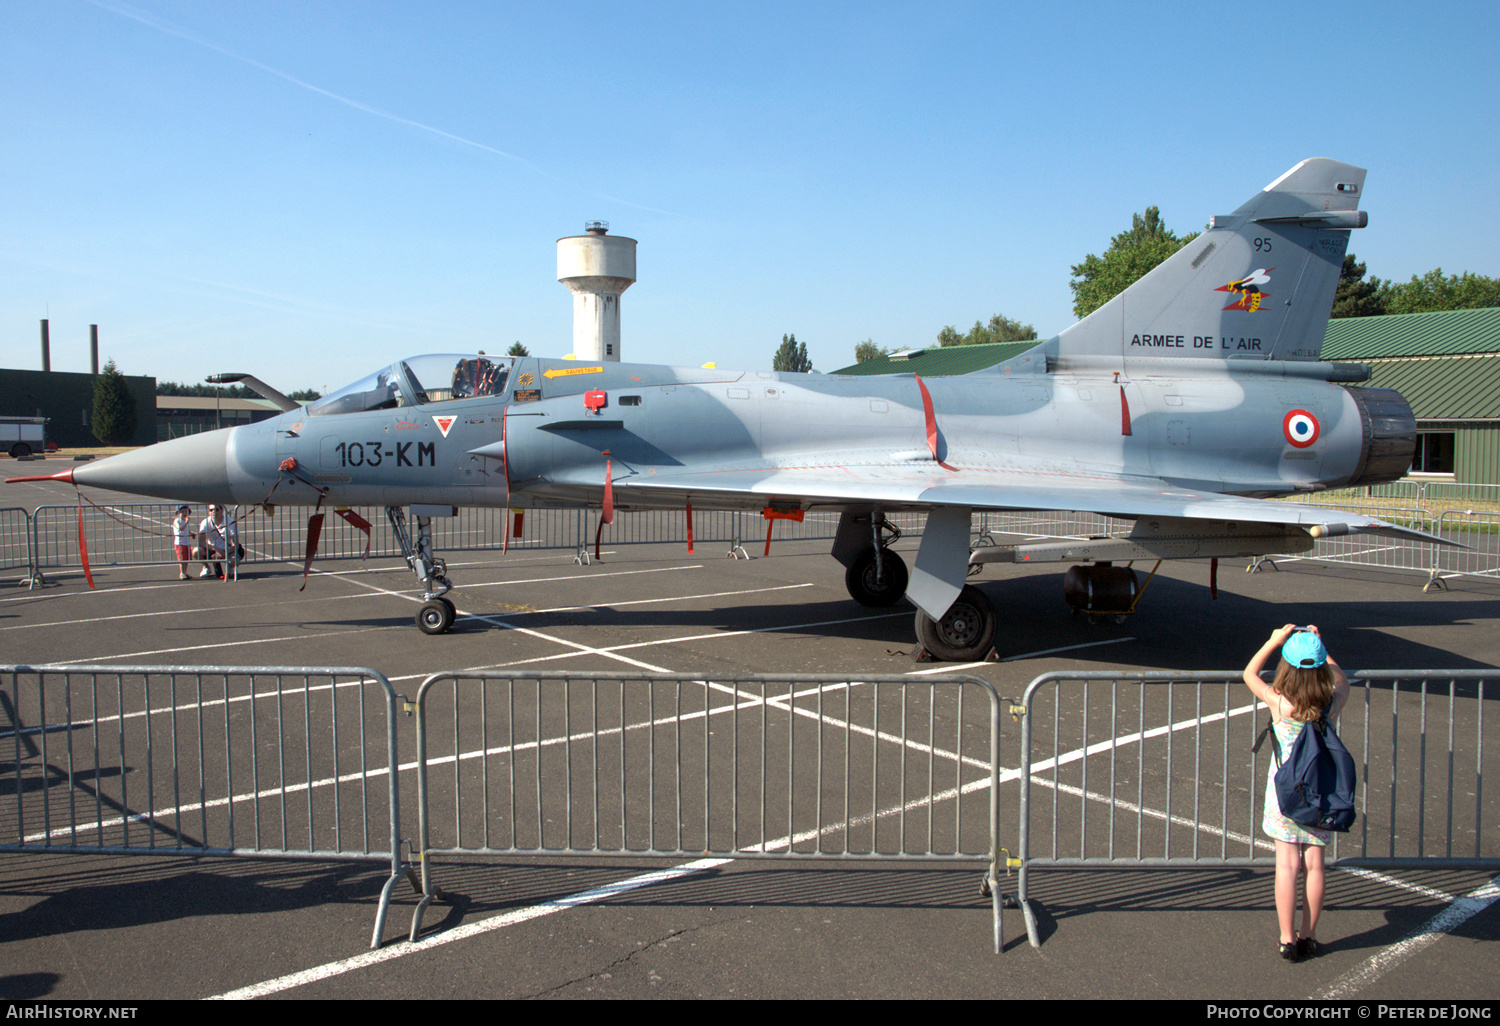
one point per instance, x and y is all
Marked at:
(419, 380)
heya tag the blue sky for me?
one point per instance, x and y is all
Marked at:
(306, 191)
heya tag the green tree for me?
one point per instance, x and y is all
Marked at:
(1130, 255)
(1000, 329)
(114, 419)
(1437, 291)
(792, 356)
(1355, 296)
(518, 350)
(305, 395)
(867, 350)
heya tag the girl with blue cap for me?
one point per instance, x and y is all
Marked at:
(1307, 682)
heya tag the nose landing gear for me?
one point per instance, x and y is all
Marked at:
(437, 613)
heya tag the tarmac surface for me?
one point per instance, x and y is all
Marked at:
(78, 927)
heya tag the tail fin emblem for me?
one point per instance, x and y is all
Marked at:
(1248, 289)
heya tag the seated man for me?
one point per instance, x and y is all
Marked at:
(216, 540)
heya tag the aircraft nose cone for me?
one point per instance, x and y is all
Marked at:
(190, 469)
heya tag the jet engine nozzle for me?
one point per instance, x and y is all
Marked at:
(1390, 436)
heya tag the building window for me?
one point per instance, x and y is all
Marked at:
(1434, 453)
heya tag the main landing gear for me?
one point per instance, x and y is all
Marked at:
(966, 632)
(877, 576)
(437, 613)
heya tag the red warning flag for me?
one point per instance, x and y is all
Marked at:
(83, 545)
(607, 514)
(358, 522)
(314, 532)
(931, 415)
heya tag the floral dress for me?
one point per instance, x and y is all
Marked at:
(1272, 822)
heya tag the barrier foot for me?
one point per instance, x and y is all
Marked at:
(1435, 582)
(1261, 562)
(416, 916)
(385, 906)
(1031, 928)
(997, 916)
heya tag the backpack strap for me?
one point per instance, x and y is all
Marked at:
(1268, 732)
(1322, 723)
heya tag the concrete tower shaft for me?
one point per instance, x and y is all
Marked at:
(596, 268)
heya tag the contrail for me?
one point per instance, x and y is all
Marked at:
(150, 21)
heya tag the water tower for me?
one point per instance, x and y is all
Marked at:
(596, 268)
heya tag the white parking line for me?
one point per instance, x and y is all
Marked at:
(1460, 911)
(468, 930)
(1017, 658)
(167, 612)
(400, 950)
(716, 636)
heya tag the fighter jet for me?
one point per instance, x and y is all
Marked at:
(1165, 407)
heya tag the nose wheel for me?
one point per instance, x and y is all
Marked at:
(436, 616)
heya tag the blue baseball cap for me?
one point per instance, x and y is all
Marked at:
(1304, 649)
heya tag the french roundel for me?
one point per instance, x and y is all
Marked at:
(1301, 428)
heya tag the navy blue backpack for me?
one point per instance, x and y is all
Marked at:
(1315, 782)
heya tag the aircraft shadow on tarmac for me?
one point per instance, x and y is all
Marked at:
(1177, 627)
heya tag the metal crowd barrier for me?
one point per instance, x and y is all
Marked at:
(633, 764)
(139, 534)
(1157, 770)
(1479, 530)
(1370, 550)
(202, 760)
(1418, 493)
(15, 544)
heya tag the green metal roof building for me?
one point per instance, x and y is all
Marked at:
(1446, 364)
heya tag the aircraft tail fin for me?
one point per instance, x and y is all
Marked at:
(1257, 284)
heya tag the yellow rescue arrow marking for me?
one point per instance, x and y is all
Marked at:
(570, 371)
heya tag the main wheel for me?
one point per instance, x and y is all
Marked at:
(436, 616)
(966, 632)
(871, 588)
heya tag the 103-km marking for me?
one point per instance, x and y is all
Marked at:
(361, 454)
